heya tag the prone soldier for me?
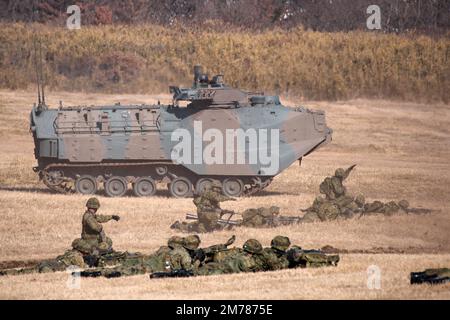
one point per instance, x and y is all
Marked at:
(310, 258)
(278, 252)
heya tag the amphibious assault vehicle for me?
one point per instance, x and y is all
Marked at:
(210, 132)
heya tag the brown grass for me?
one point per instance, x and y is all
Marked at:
(402, 151)
(147, 58)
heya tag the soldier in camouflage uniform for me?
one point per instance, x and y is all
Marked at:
(253, 258)
(93, 238)
(390, 208)
(202, 256)
(208, 211)
(60, 263)
(93, 245)
(278, 253)
(208, 206)
(261, 217)
(247, 259)
(310, 258)
(137, 263)
(338, 204)
(181, 253)
(254, 218)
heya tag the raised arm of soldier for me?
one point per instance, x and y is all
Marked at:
(348, 171)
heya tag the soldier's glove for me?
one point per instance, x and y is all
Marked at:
(91, 260)
(199, 255)
(115, 217)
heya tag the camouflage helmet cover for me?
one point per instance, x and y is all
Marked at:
(175, 241)
(340, 173)
(93, 203)
(404, 204)
(280, 243)
(360, 200)
(191, 242)
(216, 185)
(252, 246)
(274, 209)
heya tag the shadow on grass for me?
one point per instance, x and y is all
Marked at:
(27, 189)
(264, 193)
(159, 193)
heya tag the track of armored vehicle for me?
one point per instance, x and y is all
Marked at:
(86, 148)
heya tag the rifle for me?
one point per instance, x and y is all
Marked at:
(179, 273)
(433, 278)
(283, 220)
(89, 273)
(347, 172)
(418, 210)
(190, 216)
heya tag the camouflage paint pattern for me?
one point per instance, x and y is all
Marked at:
(90, 135)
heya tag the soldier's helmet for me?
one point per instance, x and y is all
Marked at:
(191, 242)
(340, 173)
(175, 241)
(280, 243)
(404, 204)
(252, 246)
(93, 203)
(274, 210)
(216, 186)
(360, 200)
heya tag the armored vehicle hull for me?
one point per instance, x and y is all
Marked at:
(241, 139)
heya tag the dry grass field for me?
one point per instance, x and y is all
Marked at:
(147, 58)
(402, 151)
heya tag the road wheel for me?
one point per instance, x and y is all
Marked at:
(116, 186)
(232, 187)
(144, 187)
(180, 187)
(202, 185)
(54, 178)
(86, 184)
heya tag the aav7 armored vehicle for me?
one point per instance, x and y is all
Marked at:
(210, 132)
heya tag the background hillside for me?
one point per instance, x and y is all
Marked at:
(300, 49)
(296, 63)
(429, 16)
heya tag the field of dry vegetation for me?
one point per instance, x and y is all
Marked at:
(402, 150)
(313, 65)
